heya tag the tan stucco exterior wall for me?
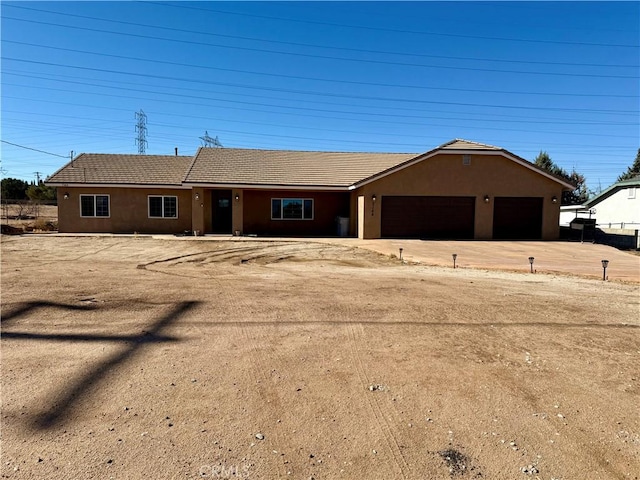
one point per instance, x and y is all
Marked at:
(128, 211)
(445, 175)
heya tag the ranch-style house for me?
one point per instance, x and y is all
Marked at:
(459, 190)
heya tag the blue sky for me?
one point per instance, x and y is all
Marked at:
(343, 76)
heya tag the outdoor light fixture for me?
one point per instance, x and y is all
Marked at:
(373, 203)
(237, 197)
(486, 199)
(66, 195)
(454, 255)
(197, 196)
(554, 199)
(605, 264)
(531, 259)
(400, 253)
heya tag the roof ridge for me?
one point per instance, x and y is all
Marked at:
(309, 151)
(451, 142)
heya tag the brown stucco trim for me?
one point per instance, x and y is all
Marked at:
(115, 185)
(249, 186)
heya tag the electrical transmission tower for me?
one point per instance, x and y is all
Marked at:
(141, 129)
(207, 141)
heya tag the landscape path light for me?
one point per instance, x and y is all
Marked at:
(454, 255)
(605, 264)
(400, 249)
(531, 259)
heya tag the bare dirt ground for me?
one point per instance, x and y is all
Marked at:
(149, 358)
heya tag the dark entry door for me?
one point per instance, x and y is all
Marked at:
(428, 217)
(221, 211)
(517, 218)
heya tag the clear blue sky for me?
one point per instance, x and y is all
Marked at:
(346, 76)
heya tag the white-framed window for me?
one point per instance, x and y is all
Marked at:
(631, 192)
(94, 206)
(291, 209)
(163, 206)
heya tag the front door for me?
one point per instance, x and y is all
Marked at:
(221, 211)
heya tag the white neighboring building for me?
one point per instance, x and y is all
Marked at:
(617, 207)
(569, 212)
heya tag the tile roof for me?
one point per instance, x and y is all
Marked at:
(461, 144)
(287, 167)
(98, 168)
(259, 168)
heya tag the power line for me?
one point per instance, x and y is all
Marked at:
(298, 77)
(190, 80)
(328, 47)
(34, 149)
(111, 83)
(364, 27)
(326, 57)
(364, 133)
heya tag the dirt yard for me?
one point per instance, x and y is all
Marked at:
(132, 358)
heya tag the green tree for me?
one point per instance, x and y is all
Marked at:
(543, 160)
(14, 189)
(574, 197)
(633, 170)
(41, 192)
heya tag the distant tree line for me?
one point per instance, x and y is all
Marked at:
(580, 194)
(16, 189)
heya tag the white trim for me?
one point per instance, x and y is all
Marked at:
(249, 186)
(114, 185)
(163, 216)
(313, 208)
(95, 206)
(473, 152)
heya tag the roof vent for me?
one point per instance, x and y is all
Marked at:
(466, 159)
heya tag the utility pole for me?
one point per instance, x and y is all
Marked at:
(141, 129)
(207, 141)
(37, 174)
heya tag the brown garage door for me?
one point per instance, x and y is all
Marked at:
(517, 218)
(428, 217)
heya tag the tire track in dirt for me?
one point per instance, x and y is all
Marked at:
(253, 375)
(355, 333)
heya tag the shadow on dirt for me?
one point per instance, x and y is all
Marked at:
(30, 307)
(63, 402)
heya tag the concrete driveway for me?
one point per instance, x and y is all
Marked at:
(567, 258)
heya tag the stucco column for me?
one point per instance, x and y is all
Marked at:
(237, 200)
(551, 216)
(197, 210)
(361, 217)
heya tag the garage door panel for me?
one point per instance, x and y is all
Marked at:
(517, 218)
(428, 217)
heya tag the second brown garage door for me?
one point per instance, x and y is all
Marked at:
(428, 217)
(517, 218)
